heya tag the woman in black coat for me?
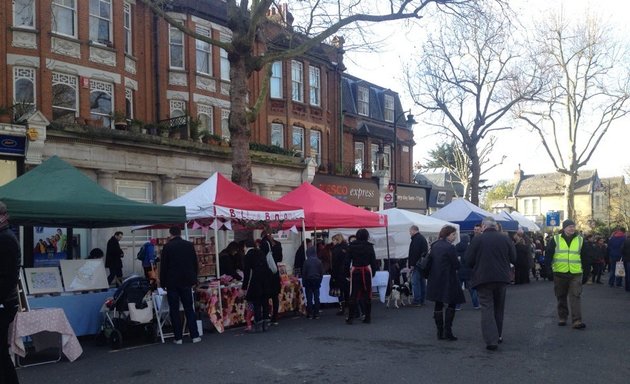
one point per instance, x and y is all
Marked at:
(443, 286)
(361, 266)
(340, 277)
(258, 284)
(267, 243)
(523, 252)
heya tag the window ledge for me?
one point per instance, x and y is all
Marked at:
(65, 37)
(24, 29)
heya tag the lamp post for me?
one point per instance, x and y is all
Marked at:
(410, 123)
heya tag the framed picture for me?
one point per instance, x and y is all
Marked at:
(282, 269)
(43, 280)
(84, 274)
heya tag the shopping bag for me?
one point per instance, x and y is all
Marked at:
(620, 270)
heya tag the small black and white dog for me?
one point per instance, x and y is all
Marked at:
(400, 295)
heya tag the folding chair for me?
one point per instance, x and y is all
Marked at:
(161, 310)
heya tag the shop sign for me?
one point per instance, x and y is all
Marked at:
(411, 197)
(357, 192)
(13, 145)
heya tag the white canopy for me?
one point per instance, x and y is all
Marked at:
(399, 221)
(523, 222)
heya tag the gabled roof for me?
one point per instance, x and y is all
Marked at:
(442, 179)
(549, 184)
(349, 85)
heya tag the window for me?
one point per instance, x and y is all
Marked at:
(374, 157)
(363, 101)
(140, 191)
(389, 108)
(297, 143)
(65, 97)
(225, 62)
(177, 108)
(23, 90)
(315, 86)
(297, 82)
(225, 124)
(316, 146)
(100, 21)
(275, 84)
(204, 53)
(64, 17)
(205, 116)
(531, 206)
(24, 13)
(359, 156)
(387, 155)
(129, 103)
(277, 134)
(127, 26)
(598, 202)
(176, 50)
(101, 102)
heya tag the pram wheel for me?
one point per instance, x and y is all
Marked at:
(115, 339)
(101, 339)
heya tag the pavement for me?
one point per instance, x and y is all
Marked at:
(399, 346)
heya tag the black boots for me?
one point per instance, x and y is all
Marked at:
(368, 312)
(439, 323)
(449, 315)
(342, 309)
(351, 308)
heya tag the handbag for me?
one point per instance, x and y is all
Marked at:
(425, 265)
(271, 263)
(620, 270)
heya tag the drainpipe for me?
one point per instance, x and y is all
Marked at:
(156, 66)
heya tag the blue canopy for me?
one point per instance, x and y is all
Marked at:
(467, 215)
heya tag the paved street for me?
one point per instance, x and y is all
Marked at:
(398, 347)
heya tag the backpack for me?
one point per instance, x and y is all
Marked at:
(142, 253)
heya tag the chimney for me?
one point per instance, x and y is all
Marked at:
(518, 176)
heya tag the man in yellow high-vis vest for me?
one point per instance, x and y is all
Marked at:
(564, 253)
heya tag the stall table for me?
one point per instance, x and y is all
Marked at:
(234, 303)
(33, 322)
(83, 310)
(379, 285)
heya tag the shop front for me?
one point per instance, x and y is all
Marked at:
(363, 193)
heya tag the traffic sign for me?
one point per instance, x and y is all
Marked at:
(388, 198)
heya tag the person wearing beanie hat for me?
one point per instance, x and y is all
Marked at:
(564, 252)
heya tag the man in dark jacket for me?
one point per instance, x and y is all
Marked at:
(625, 253)
(9, 271)
(178, 274)
(113, 259)
(489, 255)
(418, 249)
(300, 257)
(615, 246)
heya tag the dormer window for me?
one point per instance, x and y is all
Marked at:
(363, 101)
(388, 113)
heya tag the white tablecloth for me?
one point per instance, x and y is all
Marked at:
(39, 320)
(379, 284)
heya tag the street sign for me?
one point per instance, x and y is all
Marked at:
(388, 197)
(553, 219)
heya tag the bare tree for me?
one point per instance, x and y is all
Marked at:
(251, 30)
(470, 75)
(588, 89)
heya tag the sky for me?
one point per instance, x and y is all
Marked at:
(384, 68)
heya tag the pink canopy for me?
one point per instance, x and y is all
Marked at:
(322, 210)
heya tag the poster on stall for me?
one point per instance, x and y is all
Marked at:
(43, 280)
(84, 274)
(50, 246)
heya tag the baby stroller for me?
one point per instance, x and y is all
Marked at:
(128, 313)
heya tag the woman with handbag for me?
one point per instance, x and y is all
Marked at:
(269, 246)
(443, 286)
(361, 264)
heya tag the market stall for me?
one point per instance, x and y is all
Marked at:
(55, 194)
(466, 215)
(219, 203)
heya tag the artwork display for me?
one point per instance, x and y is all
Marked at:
(43, 280)
(84, 275)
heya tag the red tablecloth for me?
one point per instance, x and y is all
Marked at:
(40, 320)
(234, 303)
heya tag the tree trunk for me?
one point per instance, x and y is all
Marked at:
(239, 127)
(475, 175)
(569, 195)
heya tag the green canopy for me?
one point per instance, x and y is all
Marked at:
(55, 194)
